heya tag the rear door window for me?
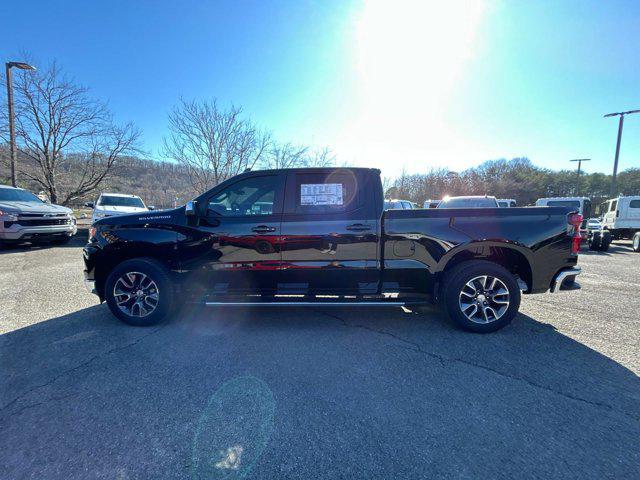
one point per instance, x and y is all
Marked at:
(330, 192)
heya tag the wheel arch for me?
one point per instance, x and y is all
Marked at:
(110, 258)
(514, 258)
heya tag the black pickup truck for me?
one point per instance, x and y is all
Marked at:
(321, 237)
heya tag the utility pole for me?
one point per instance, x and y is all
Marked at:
(579, 160)
(615, 163)
(12, 130)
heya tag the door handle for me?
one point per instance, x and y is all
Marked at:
(359, 227)
(263, 229)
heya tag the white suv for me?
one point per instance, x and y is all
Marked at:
(111, 204)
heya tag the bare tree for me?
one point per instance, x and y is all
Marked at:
(320, 157)
(58, 125)
(285, 155)
(213, 144)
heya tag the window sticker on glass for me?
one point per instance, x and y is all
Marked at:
(321, 194)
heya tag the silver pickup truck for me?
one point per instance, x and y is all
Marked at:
(26, 218)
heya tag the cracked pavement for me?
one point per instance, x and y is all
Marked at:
(360, 393)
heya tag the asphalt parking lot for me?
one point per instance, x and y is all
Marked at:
(311, 393)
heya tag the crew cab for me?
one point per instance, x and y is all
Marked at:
(322, 237)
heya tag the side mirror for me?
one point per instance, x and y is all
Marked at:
(151, 207)
(191, 209)
(89, 204)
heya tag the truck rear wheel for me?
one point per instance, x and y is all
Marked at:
(636, 242)
(480, 296)
(139, 292)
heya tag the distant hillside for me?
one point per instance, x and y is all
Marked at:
(158, 183)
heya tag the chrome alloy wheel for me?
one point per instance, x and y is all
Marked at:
(136, 294)
(484, 299)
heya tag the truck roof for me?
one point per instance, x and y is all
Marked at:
(128, 195)
(313, 169)
(547, 199)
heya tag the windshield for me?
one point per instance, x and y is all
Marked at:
(11, 195)
(113, 201)
(468, 203)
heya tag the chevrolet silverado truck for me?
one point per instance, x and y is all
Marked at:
(26, 218)
(301, 237)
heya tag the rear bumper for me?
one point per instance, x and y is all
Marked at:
(559, 284)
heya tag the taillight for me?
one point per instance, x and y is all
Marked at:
(575, 220)
(92, 232)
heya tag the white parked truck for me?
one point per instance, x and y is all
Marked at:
(26, 218)
(581, 204)
(506, 202)
(621, 216)
(112, 204)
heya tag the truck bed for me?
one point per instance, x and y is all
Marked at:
(431, 238)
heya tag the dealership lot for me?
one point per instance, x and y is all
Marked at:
(304, 393)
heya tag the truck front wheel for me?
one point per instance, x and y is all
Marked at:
(636, 242)
(139, 292)
(480, 296)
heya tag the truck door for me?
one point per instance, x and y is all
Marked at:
(633, 213)
(329, 234)
(235, 248)
(611, 213)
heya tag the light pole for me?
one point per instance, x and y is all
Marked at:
(579, 160)
(12, 131)
(615, 163)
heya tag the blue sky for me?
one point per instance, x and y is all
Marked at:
(395, 84)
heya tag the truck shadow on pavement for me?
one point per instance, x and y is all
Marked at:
(620, 247)
(128, 399)
(78, 240)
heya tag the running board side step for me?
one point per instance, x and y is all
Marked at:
(310, 304)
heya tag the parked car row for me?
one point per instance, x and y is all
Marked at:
(26, 217)
(620, 216)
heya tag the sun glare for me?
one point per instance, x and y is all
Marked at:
(408, 56)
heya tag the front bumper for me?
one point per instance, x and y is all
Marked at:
(20, 233)
(88, 255)
(90, 285)
(559, 281)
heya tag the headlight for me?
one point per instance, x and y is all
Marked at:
(8, 217)
(99, 215)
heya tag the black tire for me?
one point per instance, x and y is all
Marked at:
(452, 291)
(157, 273)
(636, 242)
